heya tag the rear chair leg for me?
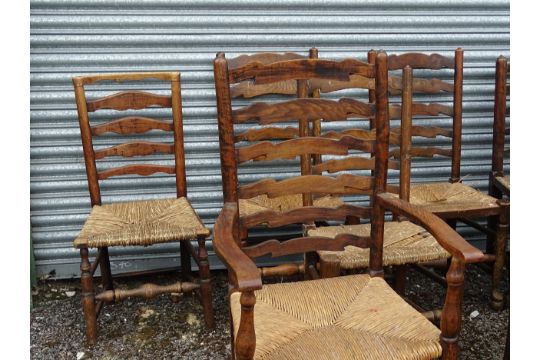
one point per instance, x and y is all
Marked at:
(501, 238)
(206, 283)
(105, 268)
(185, 260)
(329, 267)
(400, 279)
(87, 298)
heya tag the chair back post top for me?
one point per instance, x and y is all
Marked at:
(131, 100)
(499, 127)
(310, 75)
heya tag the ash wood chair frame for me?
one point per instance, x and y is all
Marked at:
(498, 209)
(137, 100)
(244, 276)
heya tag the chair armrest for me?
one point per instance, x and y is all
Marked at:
(245, 275)
(447, 237)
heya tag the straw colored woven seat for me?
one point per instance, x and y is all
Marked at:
(349, 317)
(141, 223)
(404, 243)
(447, 197)
(283, 203)
(504, 181)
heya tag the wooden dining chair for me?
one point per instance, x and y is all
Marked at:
(136, 223)
(345, 317)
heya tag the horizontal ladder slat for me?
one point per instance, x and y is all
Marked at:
(263, 58)
(134, 148)
(143, 170)
(305, 214)
(315, 184)
(301, 69)
(268, 133)
(351, 163)
(305, 244)
(419, 61)
(307, 109)
(129, 100)
(131, 125)
(423, 152)
(426, 86)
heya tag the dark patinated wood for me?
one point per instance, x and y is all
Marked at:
(451, 313)
(129, 100)
(133, 124)
(135, 148)
(427, 86)
(318, 184)
(307, 214)
(419, 60)
(406, 130)
(350, 163)
(306, 109)
(304, 145)
(263, 58)
(248, 89)
(302, 69)
(136, 169)
(455, 174)
(266, 133)
(147, 291)
(282, 270)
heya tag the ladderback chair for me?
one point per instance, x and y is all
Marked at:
(499, 185)
(453, 200)
(352, 316)
(136, 223)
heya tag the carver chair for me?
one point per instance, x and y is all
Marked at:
(136, 223)
(349, 317)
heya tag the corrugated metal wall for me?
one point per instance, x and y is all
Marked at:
(80, 37)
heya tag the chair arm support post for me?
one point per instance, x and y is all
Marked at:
(451, 313)
(243, 273)
(245, 338)
(447, 237)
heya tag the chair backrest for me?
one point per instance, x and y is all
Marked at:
(130, 125)
(430, 87)
(499, 128)
(314, 179)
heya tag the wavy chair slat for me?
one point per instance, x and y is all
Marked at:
(143, 170)
(135, 148)
(315, 184)
(268, 133)
(419, 61)
(129, 100)
(302, 69)
(419, 85)
(304, 109)
(131, 125)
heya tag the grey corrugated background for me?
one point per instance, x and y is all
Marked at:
(80, 37)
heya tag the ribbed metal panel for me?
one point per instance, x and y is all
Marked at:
(71, 38)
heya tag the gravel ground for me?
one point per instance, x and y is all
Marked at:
(161, 329)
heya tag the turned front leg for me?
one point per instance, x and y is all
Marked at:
(87, 298)
(245, 338)
(451, 313)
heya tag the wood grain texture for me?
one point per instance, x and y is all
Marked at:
(419, 85)
(360, 134)
(131, 125)
(355, 82)
(277, 248)
(455, 172)
(143, 170)
(135, 148)
(426, 131)
(129, 100)
(419, 61)
(304, 215)
(316, 184)
(263, 58)
(302, 146)
(268, 133)
(147, 291)
(422, 152)
(499, 118)
(351, 163)
(306, 109)
(301, 69)
(248, 89)
(120, 77)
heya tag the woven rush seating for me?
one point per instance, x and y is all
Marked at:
(348, 317)
(404, 243)
(141, 223)
(283, 203)
(447, 197)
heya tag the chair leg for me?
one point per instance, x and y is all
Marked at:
(206, 284)
(185, 260)
(87, 298)
(105, 268)
(501, 238)
(400, 279)
(329, 268)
